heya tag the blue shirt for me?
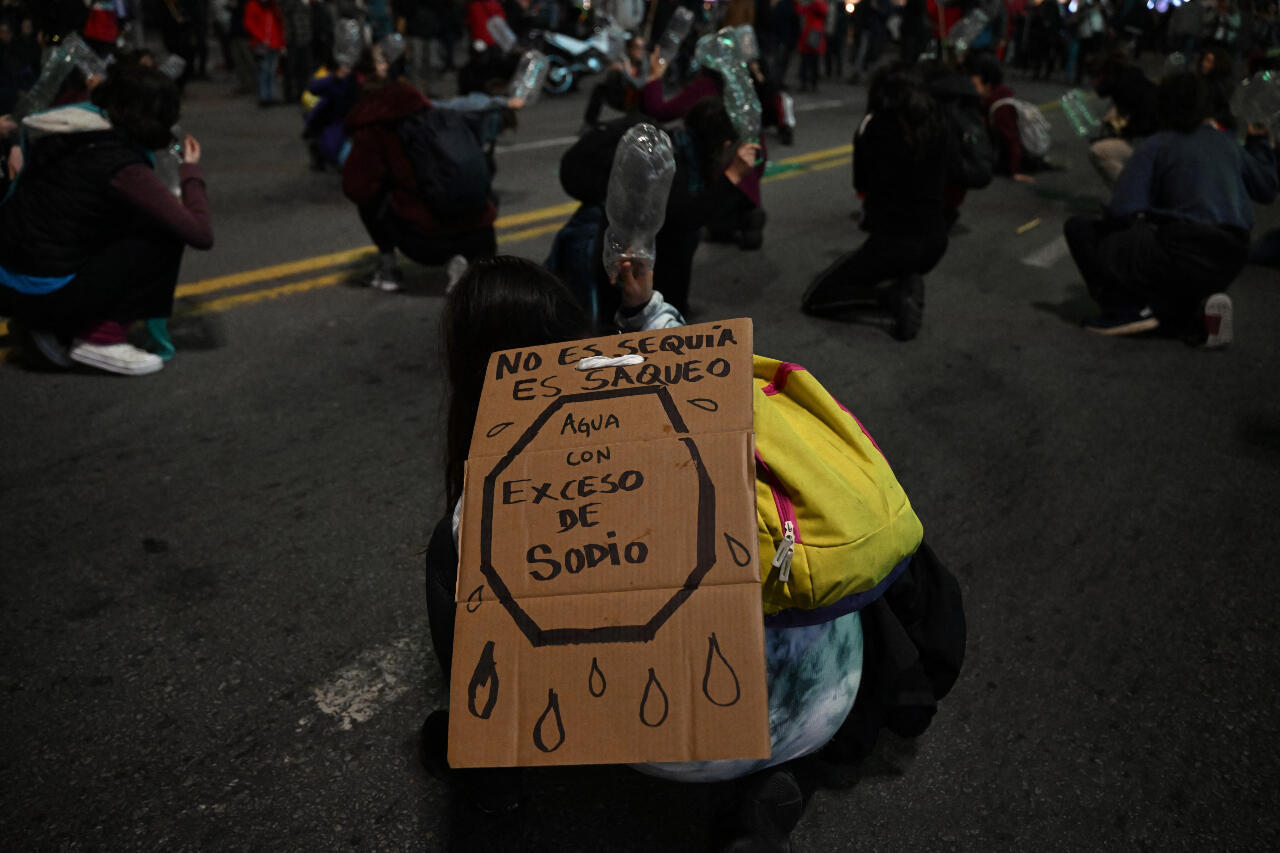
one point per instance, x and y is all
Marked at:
(1203, 177)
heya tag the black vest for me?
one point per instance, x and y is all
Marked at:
(63, 211)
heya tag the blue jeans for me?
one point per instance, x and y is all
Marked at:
(268, 60)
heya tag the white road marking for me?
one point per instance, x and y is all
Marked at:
(1049, 254)
(537, 143)
(375, 679)
(820, 105)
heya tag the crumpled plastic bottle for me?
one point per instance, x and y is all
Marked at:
(748, 46)
(502, 34)
(348, 42)
(628, 14)
(392, 47)
(967, 29)
(168, 159)
(71, 52)
(675, 33)
(531, 73)
(173, 66)
(1084, 111)
(720, 52)
(1257, 99)
(639, 183)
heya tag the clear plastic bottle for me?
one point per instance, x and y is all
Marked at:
(392, 47)
(348, 42)
(1257, 100)
(531, 73)
(720, 52)
(1084, 111)
(748, 47)
(70, 53)
(168, 159)
(173, 66)
(639, 183)
(675, 33)
(967, 29)
(502, 34)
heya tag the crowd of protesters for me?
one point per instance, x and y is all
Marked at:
(92, 234)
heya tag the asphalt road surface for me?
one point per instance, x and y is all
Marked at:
(214, 635)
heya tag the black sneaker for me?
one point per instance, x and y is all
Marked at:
(1123, 322)
(752, 236)
(908, 308)
(769, 811)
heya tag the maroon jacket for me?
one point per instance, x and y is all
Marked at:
(377, 162)
(1003, 122)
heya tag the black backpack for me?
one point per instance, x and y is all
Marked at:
(970, 155)
(448, 162)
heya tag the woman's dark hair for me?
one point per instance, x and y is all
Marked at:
(896, 92)
(1223, 64)
(709, 124)
(1182, 103)
(500, 303)
(142, 103)
(985, 67)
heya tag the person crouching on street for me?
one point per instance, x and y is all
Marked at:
(90, 238)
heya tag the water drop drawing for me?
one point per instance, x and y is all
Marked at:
(647, 713)
(485, 678)
(596, 681)
(721, 673)
(740, 553)
(497, 428)
(552, 711)
(475, 599)
(705, 404)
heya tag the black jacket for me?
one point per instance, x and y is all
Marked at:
(63, 211)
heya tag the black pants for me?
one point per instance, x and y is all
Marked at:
(390, 233)
(132, 279)
(297, 71)
(852, 279)
(1169, 266)
(809, 71)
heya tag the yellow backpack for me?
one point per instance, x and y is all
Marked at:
(835, 527)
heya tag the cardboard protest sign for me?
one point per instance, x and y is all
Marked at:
(608, 591)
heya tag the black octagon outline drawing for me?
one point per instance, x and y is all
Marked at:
(705, 527)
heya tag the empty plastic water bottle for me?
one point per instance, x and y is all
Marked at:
(719, 52)
(71, 52)
(168, 159)
(392, 47)
(639, 183)
(173, 66)
(967, 29)
(1084, 111)
(748, 47)
(531, 73)
(502, 34)
(348, 42)
(675, 33)
(1257, 99)
(628, 14)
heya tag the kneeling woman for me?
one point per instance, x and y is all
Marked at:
(90, 238)
(899, 166)
(813, 671)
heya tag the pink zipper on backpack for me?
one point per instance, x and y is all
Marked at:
(790, 524)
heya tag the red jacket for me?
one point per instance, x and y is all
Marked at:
(377, 161)
(478, 14)
(814, 18)
(264, 23)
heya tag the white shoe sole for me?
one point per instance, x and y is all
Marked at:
(1217, 307)
(92, 358)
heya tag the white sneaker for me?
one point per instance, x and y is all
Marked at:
(1217, 321)
(125, 359)
(455, 270)
(387, 282)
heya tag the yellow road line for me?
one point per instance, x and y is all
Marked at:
(816, 167)
(530, 233)
(1023, 229)
(216, 305)
(536, 215)
(817, 155)
(225, 282)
